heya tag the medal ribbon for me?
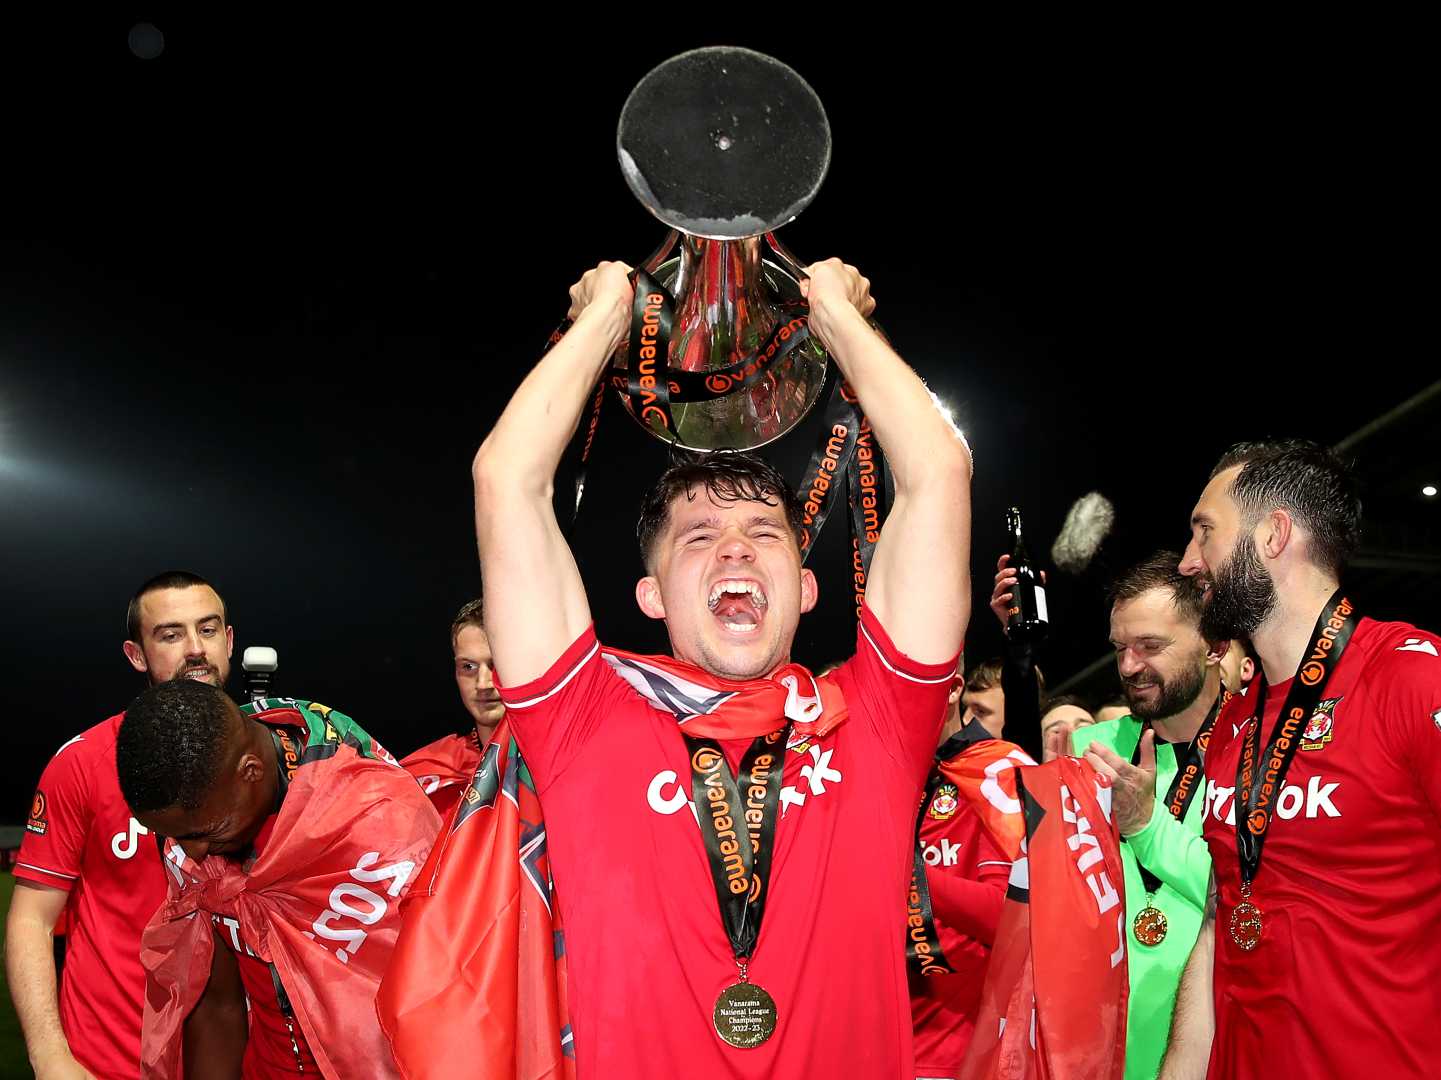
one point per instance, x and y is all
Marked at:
(1187, 780)
(650, 382)
(738, 824)
(924, 954)
(1258, 786)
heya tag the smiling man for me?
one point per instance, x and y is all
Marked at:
(1323, 800)
(83, 848)
(715, 926)
(1154, 758)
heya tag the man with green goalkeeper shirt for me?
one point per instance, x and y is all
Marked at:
(1172, 681)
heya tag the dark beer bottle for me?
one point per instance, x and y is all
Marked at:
(1026, 621)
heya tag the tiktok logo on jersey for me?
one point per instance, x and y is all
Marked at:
(948, 854)
(666, 795)
(126, 843)
(1315, 800)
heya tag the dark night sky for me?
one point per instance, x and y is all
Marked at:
(261, 298)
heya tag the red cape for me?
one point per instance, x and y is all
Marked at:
(321, 903)
(1054, 1004)
(478, 976)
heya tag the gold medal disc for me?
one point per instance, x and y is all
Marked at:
(1246, 925)
(745, 1015)
(1150, 925)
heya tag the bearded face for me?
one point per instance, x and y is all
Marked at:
(1242, 594)
(1156, 694)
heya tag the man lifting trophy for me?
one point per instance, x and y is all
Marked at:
(729, 837)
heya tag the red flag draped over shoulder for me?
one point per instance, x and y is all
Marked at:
(976, 772)
(444, 767)
(478, 975)
(321, 903)
(1054, 1004)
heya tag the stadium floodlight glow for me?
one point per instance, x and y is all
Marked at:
(1429, 491)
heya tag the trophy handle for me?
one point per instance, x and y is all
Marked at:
(784, 256)
(660, 254)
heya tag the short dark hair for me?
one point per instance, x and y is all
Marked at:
(172, 744)
(1160, 572)
(471, 613)
(1309, 481)
(727, 476)
(170, 579)
(987, 675)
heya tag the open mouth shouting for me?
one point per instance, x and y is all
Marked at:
(739, 604)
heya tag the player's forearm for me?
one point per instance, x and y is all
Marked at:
(971, 907)
(30, 969)
(922, 448)
(1193, 1023)
(1175, 854)
(526, 444)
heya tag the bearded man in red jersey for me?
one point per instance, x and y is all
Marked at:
(83, 853)
(1323, 790)
(730, 837)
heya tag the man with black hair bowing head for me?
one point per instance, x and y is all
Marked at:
(291, 836)
(753, 933)
(1323, 783)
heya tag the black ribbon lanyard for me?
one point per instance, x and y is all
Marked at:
(1188, 779)
(847, 448)
(924, 954)
(1258, 784)
(738, 824)
(652, 385)
(647, 373)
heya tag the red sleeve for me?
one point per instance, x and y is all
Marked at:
(902, 700)
(972, 905)
(60, 814)
(1411, 675)
(554, 716)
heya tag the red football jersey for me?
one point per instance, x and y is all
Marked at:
(647, 951)
(443, 768)
(1344, 980)
(81, 838)
(966, 874)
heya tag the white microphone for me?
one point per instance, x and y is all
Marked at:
(1087, 523)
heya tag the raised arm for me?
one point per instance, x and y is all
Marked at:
(920, 586)
(534, 598)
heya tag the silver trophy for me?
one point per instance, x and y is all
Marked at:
(725, 145)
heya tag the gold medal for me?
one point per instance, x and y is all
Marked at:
(1246, 922)
(745, 1015)
(1150, 925)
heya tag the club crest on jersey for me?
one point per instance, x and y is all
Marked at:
(1318, 731)
(1436, 719)
(37, 823)
(943, 804)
